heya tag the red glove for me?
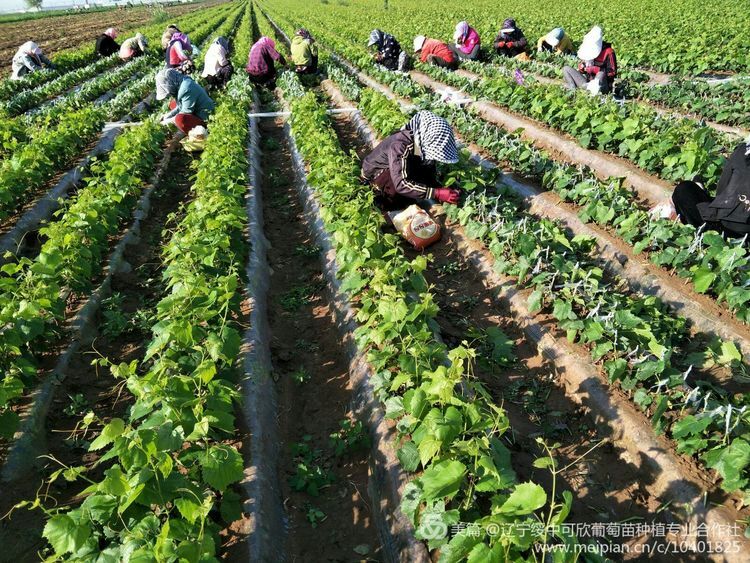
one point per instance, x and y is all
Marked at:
(592, 70)
(447, 195)
(509, 44)
(500, 44)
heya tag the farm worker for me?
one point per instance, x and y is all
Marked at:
(728, 212)
(29, 58)
(191, 104)
(467, 42)
(388, 51)
(217, 69)
(402, 167)
(556, 41)
(510, 40)
(598, 67)
(167, 35)
(106, 44)
(260, 62)
(133, 47)
(304, 52)
(435, 52)
(179, 53)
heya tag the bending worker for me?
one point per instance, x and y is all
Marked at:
(402, 168)
(260, 62)
(388, 51)
(467, 41)
(304, 52)
(435, 52)
(191, 105)
(133, 47)
(179, 53)
(106, 44)
(217, 69)
(556, 41)
(29, 58)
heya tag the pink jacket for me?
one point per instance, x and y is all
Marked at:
(472, 40)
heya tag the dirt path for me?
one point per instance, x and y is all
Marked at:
(332, 523)
(124, 324)
(63, 32)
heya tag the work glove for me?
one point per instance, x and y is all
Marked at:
(165, 120)
(592, 69)
(509, 44)
(501, 44)
(447, 195)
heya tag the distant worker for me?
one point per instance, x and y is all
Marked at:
(598, 67)
(168, 33)
(727, 213)
(217, 69)
(388, 51)
(191, 105)
(304, 52)
(556, 41)
(133, 47)
(510, 40)
(260, 62)
(402, 167)
(436, 52)
(106, 44)
(467, 42)
(179, 53)
(29, 58)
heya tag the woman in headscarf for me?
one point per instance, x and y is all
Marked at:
(179, 53)
(388, 51)
(168, 33)
(598, 67)
(510, 40)
(106, 44)
(133, 47)
(556, 41)
(191, 104)
(260, 62)
(217, 69)
(304, 52)
(467, 42)
(403, 167)
(29, 58)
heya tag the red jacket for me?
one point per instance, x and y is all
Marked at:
(437, 48)
(606, 62)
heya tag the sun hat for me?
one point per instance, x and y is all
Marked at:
(554, 37)
(509, 26)
(419, 42)
(591, 45)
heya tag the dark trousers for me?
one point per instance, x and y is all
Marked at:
(268, 79)
(686, 197)
(437, 61)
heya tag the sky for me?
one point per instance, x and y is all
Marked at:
(14, 5)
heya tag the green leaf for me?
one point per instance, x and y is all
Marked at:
(65, 534)
(703, 278)
(111, 431)
(408, 455)
(442, 480)
(534, 302)
(222, 465)
(525, 499)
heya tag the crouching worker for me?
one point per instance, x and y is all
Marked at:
(260, 62)
(191, 104)
(106, 44)
(304, 52)
(468, 43)
(510, 40)
(728, 212)
(29, 58)
(598, 67)
(133, 47)
(435, 52)
(217, 69)
(556, 41)
(388, 51)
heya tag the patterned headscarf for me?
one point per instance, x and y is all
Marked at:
(168, 82)
(304, 34)
(462, 30)
(266, 41)
(376, 38)
(509, 26)
(434, 137)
